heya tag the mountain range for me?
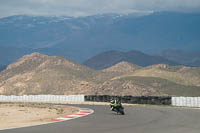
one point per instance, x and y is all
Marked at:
(84, 37)
(110, 58)
(41, 74)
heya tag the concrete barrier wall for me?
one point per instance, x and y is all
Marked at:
(186, 101)
(132, 99)
(154, 100)
(175, 101)
(42, 98)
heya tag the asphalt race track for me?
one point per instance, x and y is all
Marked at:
(138, 119)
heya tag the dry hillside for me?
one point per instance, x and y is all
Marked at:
(41, 74)
(178, 74)
(122, 68)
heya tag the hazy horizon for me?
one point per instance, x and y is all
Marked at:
(91, 7)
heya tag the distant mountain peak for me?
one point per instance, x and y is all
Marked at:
(110, 58)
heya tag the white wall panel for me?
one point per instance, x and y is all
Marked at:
(42, 98)
(186, 101)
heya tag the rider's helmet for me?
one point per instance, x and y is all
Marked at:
(112, 101)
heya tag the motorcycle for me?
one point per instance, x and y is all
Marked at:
(118, 108)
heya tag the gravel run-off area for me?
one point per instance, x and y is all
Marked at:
(14, 115)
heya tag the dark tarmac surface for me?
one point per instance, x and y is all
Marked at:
(138, 119)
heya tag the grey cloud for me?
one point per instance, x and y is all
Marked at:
(91, 7)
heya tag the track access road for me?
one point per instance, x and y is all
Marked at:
(138, 119)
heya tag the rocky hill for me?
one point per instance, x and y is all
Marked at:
(154, 80)
(176, 76)
(146, 86)
(122, 68)
(41, 74)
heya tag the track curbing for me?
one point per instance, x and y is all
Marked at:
(82, 112)
(60, 119)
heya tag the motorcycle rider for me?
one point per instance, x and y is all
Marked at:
(115, 104)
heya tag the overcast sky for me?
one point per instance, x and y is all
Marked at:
(91, 7)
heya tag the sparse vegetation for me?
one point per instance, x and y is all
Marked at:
(60, 111)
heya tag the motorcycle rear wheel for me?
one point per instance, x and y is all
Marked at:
(121, 111)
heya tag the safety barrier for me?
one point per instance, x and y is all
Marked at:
(155, 100)
(132, 99)
(42, 98)
(186, 101)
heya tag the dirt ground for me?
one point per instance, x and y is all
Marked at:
(27, 114)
